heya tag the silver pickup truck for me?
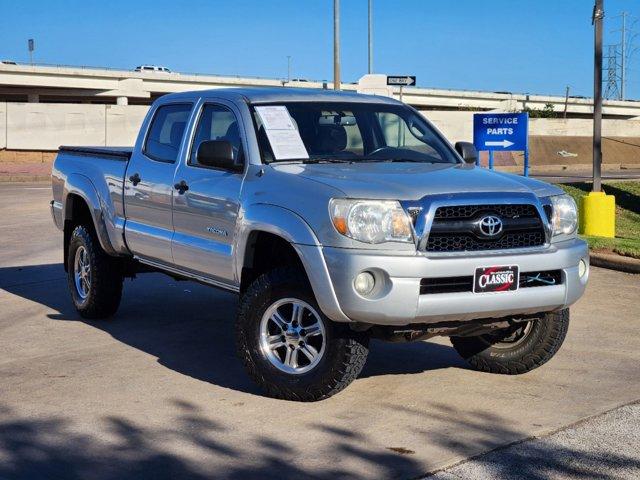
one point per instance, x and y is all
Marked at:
(337, 218)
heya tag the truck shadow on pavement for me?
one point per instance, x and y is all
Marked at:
(189, 327)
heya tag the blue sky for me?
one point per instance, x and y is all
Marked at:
(529, 46)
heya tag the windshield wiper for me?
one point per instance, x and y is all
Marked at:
(326, 160)
(312, 160)
(391, 160)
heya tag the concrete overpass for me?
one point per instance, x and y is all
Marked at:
(64, 84)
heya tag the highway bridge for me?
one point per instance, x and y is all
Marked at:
(68, 84)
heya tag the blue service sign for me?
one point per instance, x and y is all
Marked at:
(501, 131)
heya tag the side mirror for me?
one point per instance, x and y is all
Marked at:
(467, 151)
(217, 154)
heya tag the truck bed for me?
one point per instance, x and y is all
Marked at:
(116, 152)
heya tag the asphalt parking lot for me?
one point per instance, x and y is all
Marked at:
(157, 392)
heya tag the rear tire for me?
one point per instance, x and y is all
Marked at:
(94, 278)
(266, 346)
(518, 349)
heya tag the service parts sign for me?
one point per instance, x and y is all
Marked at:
(501, 131)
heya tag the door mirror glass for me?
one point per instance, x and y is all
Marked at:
(467, 151)
(217, 154)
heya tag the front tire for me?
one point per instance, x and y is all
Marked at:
(288, 346)
(94, 278)
(517, 349)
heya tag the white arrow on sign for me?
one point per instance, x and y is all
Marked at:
(502, 143)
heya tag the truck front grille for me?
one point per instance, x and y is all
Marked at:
(455, 228)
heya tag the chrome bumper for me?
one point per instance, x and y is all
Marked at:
(399, 302)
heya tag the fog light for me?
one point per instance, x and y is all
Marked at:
(582, 268)
(364, 283)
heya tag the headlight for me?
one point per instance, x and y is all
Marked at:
(371, 221)
(565, 215)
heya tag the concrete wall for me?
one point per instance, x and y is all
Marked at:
(40, 126)
(3, 125)
(583, 127)
(123, 123)
(458, 126)
(46, 126)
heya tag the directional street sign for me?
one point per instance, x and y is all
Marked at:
(401, 80)
(501, 131)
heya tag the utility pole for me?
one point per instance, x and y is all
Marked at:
(623, 59)
(336, 44)
(370, 36)
(566, 102)
(597, 21)
(288, 68)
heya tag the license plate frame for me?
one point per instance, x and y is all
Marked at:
(501, 279)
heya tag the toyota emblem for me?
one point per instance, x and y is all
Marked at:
(490, 225)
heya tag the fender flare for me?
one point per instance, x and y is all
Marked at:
(273, 219)
(82, 186)
(291, 227)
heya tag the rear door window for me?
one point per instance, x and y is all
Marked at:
(166, 132)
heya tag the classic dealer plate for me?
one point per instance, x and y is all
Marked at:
(495, 279)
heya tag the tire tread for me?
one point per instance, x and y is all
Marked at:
(353, 354)
(553, 330)
(106, 277)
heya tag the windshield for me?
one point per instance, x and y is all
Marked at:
(360, 132)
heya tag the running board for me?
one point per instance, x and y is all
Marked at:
(189, 275)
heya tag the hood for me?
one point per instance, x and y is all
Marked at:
(412, 181)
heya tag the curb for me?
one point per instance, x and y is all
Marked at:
(615, 262)
(24, 178)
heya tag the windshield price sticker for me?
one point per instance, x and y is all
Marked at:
(282, 133)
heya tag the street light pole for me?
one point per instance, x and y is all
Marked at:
(598, 17)
(370, 36)
(288, 68)
(336, 44)
(623, 57)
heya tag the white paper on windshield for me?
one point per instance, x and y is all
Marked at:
(282, 133)
(287, 144)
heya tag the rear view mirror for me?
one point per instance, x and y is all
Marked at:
(467, 151)
(217, 154)
(337, 119)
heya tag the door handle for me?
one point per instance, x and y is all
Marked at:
(135, 179)
(181, 187)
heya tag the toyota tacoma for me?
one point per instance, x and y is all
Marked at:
(337, 218)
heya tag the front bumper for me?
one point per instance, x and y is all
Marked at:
(398, 301)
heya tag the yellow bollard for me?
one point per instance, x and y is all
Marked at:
(598, 215)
